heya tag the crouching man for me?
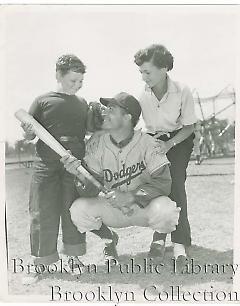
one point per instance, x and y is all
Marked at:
(131, 166)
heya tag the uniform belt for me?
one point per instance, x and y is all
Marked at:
(68, 139)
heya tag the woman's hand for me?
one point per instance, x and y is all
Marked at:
(165, 146)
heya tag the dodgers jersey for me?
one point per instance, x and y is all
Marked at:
(128, 167)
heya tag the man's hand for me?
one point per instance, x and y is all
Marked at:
(121, 200)
(71, 164)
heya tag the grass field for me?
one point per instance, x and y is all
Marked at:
(210, 189)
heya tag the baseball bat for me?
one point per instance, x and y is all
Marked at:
(49, 140)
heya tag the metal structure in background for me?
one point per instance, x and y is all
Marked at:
(214, 138)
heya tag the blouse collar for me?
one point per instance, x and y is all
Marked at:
(171, 86)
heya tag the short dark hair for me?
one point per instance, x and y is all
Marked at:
(158, 54)
(70, 62)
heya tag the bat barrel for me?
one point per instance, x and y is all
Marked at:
(41, 132)
(49, 140)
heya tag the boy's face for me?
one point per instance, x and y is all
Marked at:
(71, 82)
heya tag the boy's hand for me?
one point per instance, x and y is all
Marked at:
(71, 164)
(28, 129)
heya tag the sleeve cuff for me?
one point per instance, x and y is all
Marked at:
(159, 167)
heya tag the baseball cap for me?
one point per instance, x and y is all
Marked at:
(125, 101)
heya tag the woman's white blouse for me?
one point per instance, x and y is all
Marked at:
(175, 109)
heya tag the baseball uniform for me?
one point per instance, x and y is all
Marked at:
(136, 165)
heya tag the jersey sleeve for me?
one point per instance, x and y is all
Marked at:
(160, 185)
(187, 116)
(93, 158)
(154, 158)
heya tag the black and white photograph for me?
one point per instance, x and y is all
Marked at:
(119, 135)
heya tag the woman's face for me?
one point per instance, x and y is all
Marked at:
(151, 74)
(71, 82)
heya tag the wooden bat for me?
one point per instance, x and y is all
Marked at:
(49, 140)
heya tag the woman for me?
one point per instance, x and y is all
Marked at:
(168, 112)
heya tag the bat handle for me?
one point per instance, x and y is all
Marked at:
(104, 189)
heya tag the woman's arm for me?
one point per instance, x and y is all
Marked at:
(183, 134)
(187, 118)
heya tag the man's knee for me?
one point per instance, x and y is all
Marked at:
(161, 204)
(79, 206)
(163, 214)
(83, 215)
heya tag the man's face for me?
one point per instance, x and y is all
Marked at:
(71, 82)
(114, 117)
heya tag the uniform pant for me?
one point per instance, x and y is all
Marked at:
(89, 213)
(52, 192)
(179, 157)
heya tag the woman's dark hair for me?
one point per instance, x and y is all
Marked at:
(158, 54)
(69, 62)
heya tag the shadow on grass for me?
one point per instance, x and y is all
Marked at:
(164, 275)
